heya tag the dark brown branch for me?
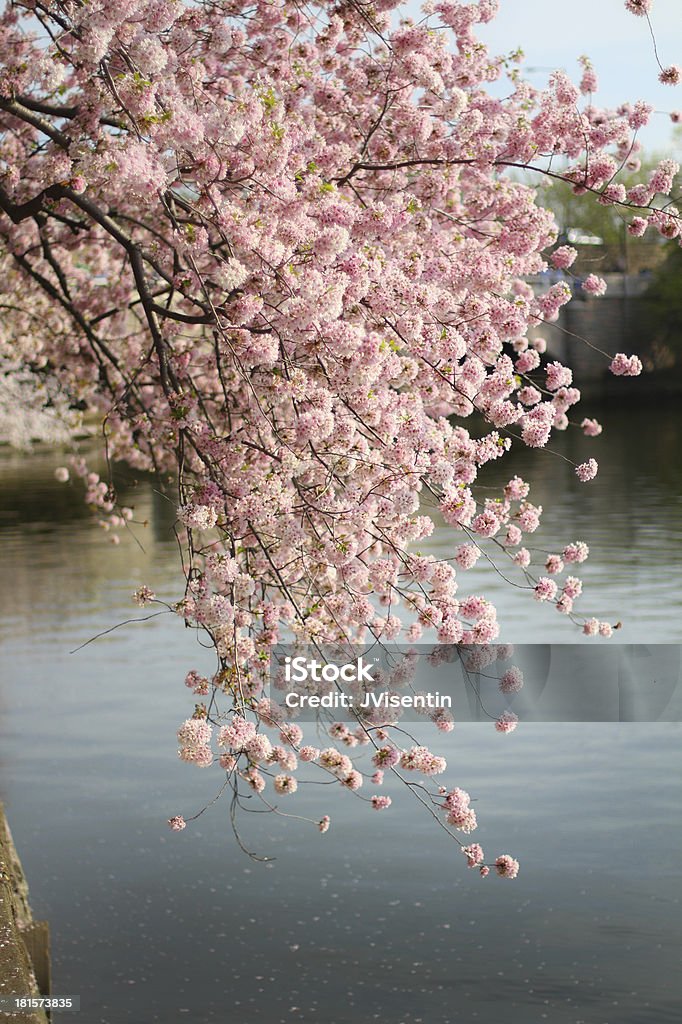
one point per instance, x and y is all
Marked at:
(137, 265)
(18, 212)
(183, 318)
(59, 110)
(24, 114)
(50, 109)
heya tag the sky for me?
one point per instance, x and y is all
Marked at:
(554, 35)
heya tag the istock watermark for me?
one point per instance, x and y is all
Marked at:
(359, 686)
(300, 669)
(371, 701)
(531, 682)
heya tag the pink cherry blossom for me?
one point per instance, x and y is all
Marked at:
(639, 7)
(587, 470)
(591, 428)
(670, 75)
(554, 564)
(572, 587)
(564, 257)
(194, 732)
(285, 784)
(511, 681)
(522, 557)
(380, 803)
(558, 376)
(638, 226)
(594, 285)
(545, 589)
(143, 596)
(507, 722)
(575, 552)
(474, 854)
(628, 366)
(506, 866)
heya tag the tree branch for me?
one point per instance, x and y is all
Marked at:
(24, 114)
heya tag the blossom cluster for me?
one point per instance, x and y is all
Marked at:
(283, 253)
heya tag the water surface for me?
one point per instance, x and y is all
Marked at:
(378, 920)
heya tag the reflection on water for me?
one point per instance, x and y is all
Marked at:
(378, 920)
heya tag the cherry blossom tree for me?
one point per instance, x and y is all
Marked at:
(282, 252)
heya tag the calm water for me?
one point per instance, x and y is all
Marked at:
(378, 920)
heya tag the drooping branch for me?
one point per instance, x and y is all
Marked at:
(283, 260)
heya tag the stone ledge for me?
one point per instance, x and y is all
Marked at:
(23, 941)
